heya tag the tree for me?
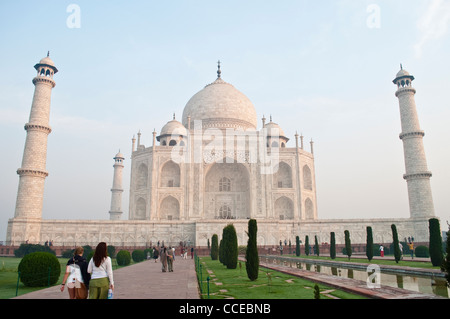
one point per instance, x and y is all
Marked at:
(230, 247)
(221, 251)
(436, 253)
(348, 244)
(316, 292)
(214, 247)
(297, 246)
(369, 243)
(251, 254)
(445, 266)
(397, 253)
(307, 245)
(333, 246)
(316, 244)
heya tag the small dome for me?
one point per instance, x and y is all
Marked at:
(173, 128)
(271, 129)
(119, 155)
(402, 73)
(47, 61)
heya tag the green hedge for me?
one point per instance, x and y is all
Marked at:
(39, 269)
(123, 258)
(138, 255)
(422, 251)
(25, 249)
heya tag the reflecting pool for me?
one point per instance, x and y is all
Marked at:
(424, 284)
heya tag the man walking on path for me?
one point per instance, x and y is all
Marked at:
(170, 259)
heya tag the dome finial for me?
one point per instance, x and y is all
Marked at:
(218, 69)
(48, 54)
(174, 115)
(401, 66)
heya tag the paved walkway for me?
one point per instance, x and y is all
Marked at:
(144, 280)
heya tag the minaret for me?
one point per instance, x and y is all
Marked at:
(32, 174)
(417, 175)
(116, 197)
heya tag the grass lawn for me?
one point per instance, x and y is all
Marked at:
(8, 277)
(234, 283)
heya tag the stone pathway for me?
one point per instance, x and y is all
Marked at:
(144, 280)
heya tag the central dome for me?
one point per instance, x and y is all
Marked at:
(220, 105)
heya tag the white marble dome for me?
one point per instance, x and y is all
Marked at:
(220, 105)
(173, 127)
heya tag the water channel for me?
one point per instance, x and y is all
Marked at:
(427, 283)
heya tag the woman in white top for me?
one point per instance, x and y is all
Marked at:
(76, 276)
(100, 268)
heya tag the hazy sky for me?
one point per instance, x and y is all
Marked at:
(322, 68)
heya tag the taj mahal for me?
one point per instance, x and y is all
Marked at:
(218, 164)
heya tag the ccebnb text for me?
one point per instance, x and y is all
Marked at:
(246, 308)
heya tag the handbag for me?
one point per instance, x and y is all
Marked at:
(81, 291)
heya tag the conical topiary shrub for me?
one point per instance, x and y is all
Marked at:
(395, 243)
(369, 243)
(230, 247)
(436, 252)
(214, 247)
(332, 245)
(251, 255)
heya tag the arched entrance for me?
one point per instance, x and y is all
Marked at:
(227, 191)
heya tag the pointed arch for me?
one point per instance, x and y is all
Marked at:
(169, 208)
(140, 209)
(284, 208)
(142, 176)
(307, 177)
(283, 176)
(227, 184)
(170, 175)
